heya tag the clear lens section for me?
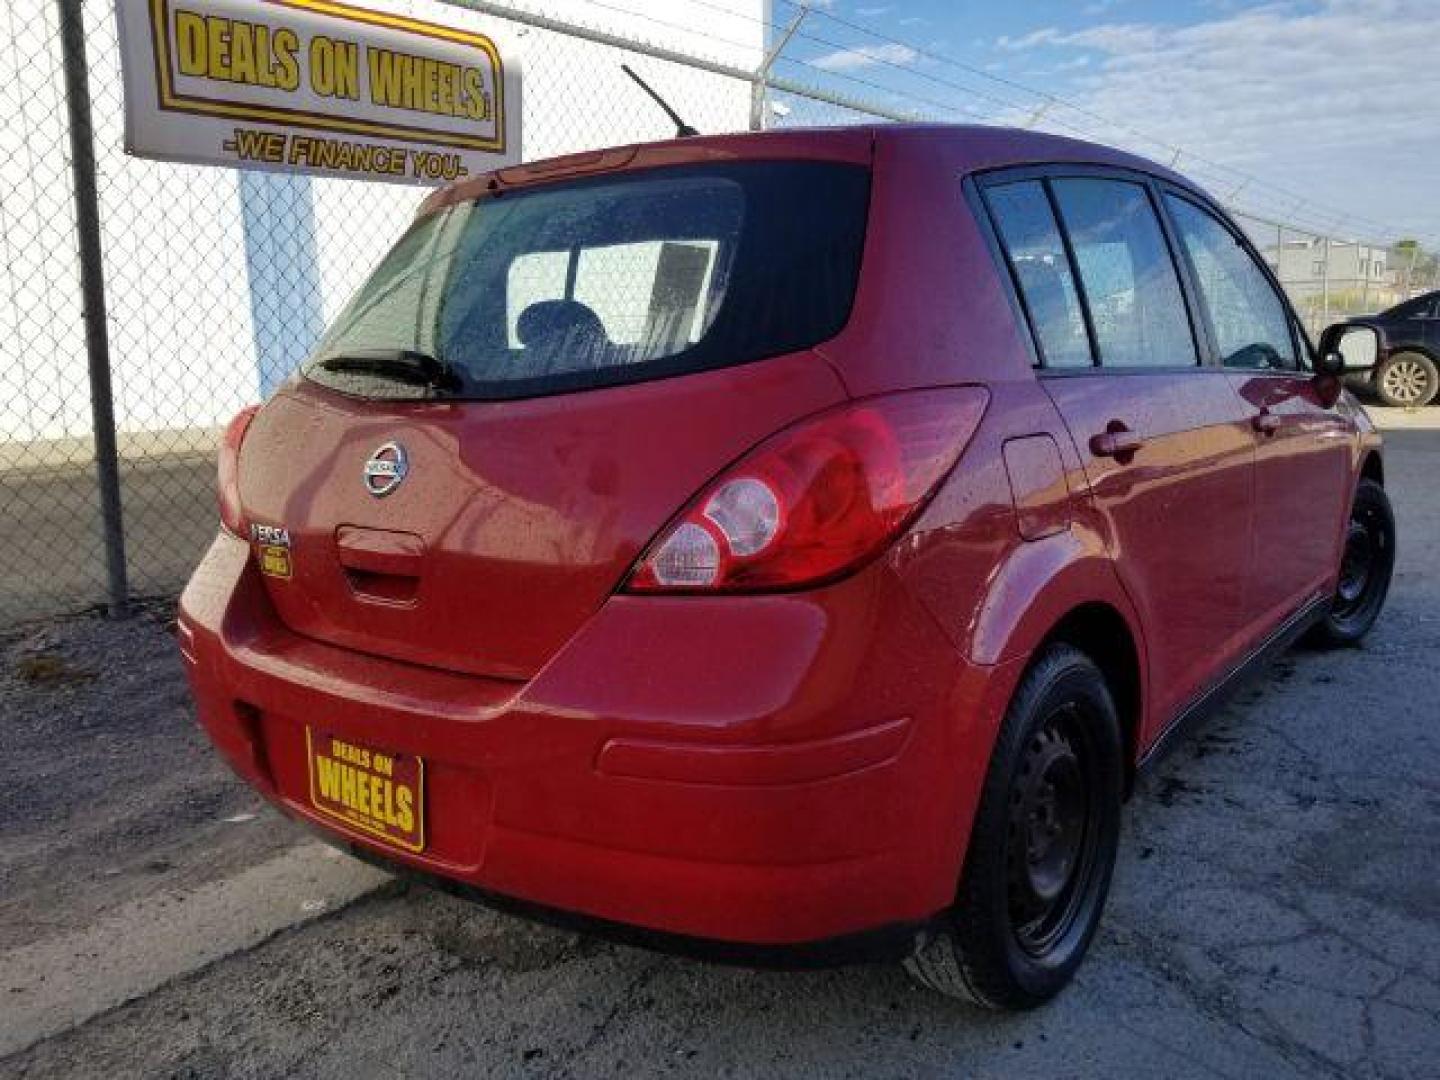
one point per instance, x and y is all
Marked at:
(689, 557)
(747, 512)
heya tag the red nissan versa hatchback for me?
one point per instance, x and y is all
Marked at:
(784, 547)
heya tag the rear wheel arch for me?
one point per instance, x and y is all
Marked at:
(1102, 633)
(1413, 345)
(1046, 595)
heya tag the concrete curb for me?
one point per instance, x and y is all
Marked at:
(61, 982)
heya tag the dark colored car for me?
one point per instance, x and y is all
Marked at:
(1407, 368)
(784, 547)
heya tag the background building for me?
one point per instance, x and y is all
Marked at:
(1353, 276)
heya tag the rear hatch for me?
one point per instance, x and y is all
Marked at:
(529, 386)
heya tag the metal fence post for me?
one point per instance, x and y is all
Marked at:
(92, 290)
(1369, 265)
(762, 74)
(1325, 280)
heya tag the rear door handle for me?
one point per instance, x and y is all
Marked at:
(1116, 441)
(1266, 422)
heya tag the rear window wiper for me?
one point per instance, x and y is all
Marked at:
(402, 365)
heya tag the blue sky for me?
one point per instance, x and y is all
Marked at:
(1322, 112)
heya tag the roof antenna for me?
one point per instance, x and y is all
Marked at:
(682, 129)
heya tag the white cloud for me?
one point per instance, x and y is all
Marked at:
(1113, 37)
(1078, 63)
(873, 12)
(864, 56)
(1336, 99)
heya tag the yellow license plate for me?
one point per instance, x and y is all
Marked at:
(377, 792)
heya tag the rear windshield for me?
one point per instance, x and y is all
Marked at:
(612, 280)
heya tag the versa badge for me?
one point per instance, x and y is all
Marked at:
(272, 549)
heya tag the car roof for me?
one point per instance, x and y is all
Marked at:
(977, 147)
(962, 147)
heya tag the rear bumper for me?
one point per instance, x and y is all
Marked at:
(890, 943)
(766, 771)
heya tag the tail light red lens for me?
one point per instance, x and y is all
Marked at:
(817, 499)
(227, 481)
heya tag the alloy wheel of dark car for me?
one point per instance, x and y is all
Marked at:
(1043, 846)
(1407, 379)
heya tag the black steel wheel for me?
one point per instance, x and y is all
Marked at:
(1053, 831)
(1367, 564)
(1042, 847)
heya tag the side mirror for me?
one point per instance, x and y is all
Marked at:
(1346, 348)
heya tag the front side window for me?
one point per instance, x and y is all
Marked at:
(1128, 276)
(1036, 254)
(1249, 320)
(613, 279)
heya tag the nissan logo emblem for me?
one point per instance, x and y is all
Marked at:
(386, 469)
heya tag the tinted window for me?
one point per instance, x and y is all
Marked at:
(1251, 325)
(615, 279)
(1037, 256)
(1127, 274)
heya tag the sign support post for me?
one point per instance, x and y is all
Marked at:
(92, 292)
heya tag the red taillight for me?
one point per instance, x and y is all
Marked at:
(817, 499)
(227, 482)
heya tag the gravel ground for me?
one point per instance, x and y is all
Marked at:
(1276, 910)
(108, 790)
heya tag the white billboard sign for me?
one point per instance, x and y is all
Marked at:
(315, 86)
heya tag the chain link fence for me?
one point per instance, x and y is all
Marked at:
(1332, 278)
(217, 282)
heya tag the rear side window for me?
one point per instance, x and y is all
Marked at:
(1247, 316)
(1036, 253)
(1126, 273)
(614, 279)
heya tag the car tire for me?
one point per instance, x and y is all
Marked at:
(1042, 849)
(1366, 567)
(1407, 380)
